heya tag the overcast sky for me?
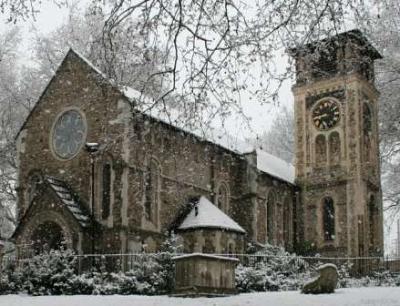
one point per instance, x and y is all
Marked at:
(52, 16)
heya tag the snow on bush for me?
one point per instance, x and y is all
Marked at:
(49, 273)
(54, 273)
(267, 269)
(10, 280)
(271, 269)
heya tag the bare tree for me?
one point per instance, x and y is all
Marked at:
(20, 86)
(216, 52)
(19, 10)
(11, 113)
(133, 58)
(208, 54)
(279, 139)
(383, 25)
(202, 57)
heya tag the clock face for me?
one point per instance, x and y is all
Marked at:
(326, 114)
(69, 134)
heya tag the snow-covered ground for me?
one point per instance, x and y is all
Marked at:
(375, 296)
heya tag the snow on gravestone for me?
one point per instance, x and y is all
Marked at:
(325, 283)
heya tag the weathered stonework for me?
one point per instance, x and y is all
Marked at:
(131, 143)
(201, 274)
(147, 170)
(345, 176)
(212, 241)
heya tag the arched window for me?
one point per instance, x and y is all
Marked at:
(106, 191)
(367, 147)
(287, 221)
(367, 130)
(328, 219)
(372, 212)
(320, 149)
(152, 186)
(231, 248)
(367, 118)
(271, 217)
(223, 197)
(261, 217)
(334, 148)
(33, 183)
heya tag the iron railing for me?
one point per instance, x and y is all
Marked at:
(357, 266)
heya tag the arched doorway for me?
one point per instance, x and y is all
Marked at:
(47, 236)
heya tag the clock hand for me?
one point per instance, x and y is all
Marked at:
(320, 116)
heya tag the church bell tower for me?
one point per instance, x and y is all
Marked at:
(337, 149)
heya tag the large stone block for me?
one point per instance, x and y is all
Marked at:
(204, 274)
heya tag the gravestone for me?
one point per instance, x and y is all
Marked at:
(325, 283)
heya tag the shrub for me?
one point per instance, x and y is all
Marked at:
(49, 273)
(53, 273)
(270, 269)
(10, 280)
(273, 269)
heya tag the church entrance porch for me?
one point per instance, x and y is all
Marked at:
(47, 236)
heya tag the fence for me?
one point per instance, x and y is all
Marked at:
(119, 262)
(357, 266)
(107, 262)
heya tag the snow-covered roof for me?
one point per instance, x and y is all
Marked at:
(174, 118)
(205, 214)
(265, 162)
(275, 166)
(69, 200)
(89, 63)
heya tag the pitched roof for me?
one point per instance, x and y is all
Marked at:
(275, 166)
(265, 162)
(69, 200)
(205, 214)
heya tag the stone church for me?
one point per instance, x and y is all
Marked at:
(104, 177)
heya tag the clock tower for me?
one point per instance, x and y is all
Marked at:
(337, 152)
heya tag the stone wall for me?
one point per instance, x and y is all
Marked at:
(130, 142)
(216, 241)
(75, 86)
(344, 174)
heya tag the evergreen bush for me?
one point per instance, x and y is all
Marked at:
(54, 273)
(268, 268)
